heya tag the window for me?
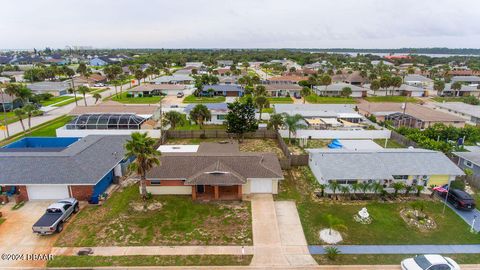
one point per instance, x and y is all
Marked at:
(66, 206)
(400, 177)
(440, 267)
(468, 163)
(155, 182)
(220, 117)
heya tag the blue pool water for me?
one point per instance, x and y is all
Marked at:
(42, 142)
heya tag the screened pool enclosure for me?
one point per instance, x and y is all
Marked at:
(106, 121)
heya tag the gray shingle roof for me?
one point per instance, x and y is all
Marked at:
(315, 110)
(473, 157)
(381, 164)
(82, 163)
(223, 87)
(49, 86)
(243, 165)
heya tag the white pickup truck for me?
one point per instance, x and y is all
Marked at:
(56, 214)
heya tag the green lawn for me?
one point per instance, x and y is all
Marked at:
(387, 226)
(135, 100)
(2, 220)
(280, 100)
(189, 126)
(55, 100)
(142, 260)
(387, 259)
(267, 110)
(68, 101)
(390, 143)
(398, 99)
(194, 99)
(330, 100)
(11, 117)
(177, 220)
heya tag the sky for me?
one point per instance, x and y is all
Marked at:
(26, 24)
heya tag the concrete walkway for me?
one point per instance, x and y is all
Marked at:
(278, 238)
(467, 216)
(400, 249)
(158, 250)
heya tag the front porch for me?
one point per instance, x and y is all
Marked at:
(216, 192)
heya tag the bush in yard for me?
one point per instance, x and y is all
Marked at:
(332, 252)
(458, 184)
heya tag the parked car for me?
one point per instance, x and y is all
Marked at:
(180, 95)
(459, 199)
(55, 216)
(99, 85)
(429, 262)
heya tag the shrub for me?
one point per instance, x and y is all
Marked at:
(332, 253)
(457, 184)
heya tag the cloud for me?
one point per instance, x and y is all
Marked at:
(235, 24)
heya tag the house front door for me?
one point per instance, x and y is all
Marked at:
(200, 189)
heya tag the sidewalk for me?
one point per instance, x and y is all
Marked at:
(157, 250)
(400, 249)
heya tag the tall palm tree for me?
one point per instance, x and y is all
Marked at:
(199, 114)
(276, 121)
(173, 118)
(139, 75)
(305, 92)
(70, 73)
(374, 86)
(84, 90)
(334, 223)
(143, 148)
(30, 110)
(344, 189)
(376, 188)
(456, 86)
(261, 102)
(293, 124)
(439, 86)
(20, 114)
(4, 109)
(97, 96)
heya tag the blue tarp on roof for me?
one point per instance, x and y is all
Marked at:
(335, 144)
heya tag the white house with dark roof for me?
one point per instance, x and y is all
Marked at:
(386, 166)
(54, 88)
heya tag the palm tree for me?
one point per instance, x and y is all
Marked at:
(70, 73)
(346, 92)
(374, 86)
(305, 92)
(438, 86)
(97, 97)
(322, 189)
(325, 80)
(29, 110)
(143, 148)
(260, 90)
(173, 118)
(200, 113)
(397, 186)
(456, 86)
(5, 115)
(376, 188)
(293, 124)
(334, 185)
(84, 90)
(419, 189)
(334, 223)
(364, 186)
(276, 121)
(355, 188)
(344, 189)
(20, 114)
(261, 102)
(139, 75)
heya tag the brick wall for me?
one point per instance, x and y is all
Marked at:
(81, 193)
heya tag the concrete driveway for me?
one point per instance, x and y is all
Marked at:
(172, 100)
(17, 238)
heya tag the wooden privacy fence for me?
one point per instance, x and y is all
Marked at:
(402, 139)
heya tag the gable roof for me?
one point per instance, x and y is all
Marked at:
(147, 87)
(69, 166)
(223, 87)
(380, 164)
(416, 78)
(315, 110)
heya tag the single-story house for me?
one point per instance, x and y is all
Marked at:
(7, 103)
(403, 90)
(284, 80)
(174, 79)
(469, 160)
(98, 62)
(228, 90)
(194, 64)
(217, 110)
(224, 63)
(228, 80)
(57, 168)
(466, 79)
(17, 75)
(469, 112)
(355, 78)
(386, 166)
(282, 90)
(336, 90)
(4, 80)
(216, 171)
(409, 114)
(418, 81)
(465, 90)
(157, 89)
(90, 81)
(320, 116)
(54, 88)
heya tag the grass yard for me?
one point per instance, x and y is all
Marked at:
(12, 118)
(143, 260)
(387, 259)
(122, 98)
(55, 100)
(398, 99)
(317, 143)
(267, 110)
(2, 220)
(390, 143)
(194, 99)
(177, 220)
(329, 100)
(247, 145)
(68, 101)
(387, 226)
(280, 100)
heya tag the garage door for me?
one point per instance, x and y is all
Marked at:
(47, 192)
(261, 186)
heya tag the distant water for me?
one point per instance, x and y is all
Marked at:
(387, 54)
